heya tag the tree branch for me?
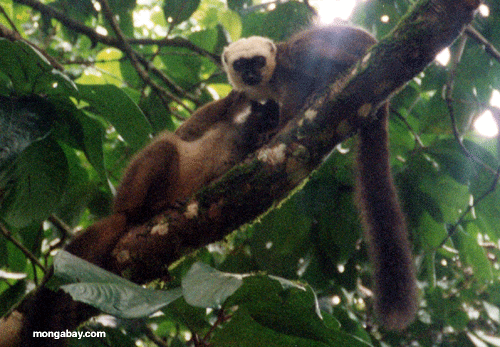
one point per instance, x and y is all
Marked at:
(95, 37)
(488, 47)
(8, 235)
(249, 189)
(124, 44)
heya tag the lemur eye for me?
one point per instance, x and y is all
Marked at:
(260, 61)
(239, 65)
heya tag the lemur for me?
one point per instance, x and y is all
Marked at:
(159, 177)
(291, 71)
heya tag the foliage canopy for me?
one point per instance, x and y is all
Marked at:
(71, 119)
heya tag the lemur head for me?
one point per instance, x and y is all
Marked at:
(249, 64)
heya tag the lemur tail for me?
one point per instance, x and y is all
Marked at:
(385, 228)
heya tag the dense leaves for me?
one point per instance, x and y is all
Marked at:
(297, 276)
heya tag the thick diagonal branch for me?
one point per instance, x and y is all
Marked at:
(270, 174)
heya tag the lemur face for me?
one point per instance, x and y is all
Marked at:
(249, 69)
(249, 64)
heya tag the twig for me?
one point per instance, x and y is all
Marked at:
(11, 23)
(488, 47)
(150, 334)
(124, 44)
(127, 48)
(8, 235)
(63, 228)
(108, 40)
(417, 138)
(449, 103)
(469, 208)
(12, 35)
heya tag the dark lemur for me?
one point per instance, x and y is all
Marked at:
(289, 72)
(161, 176)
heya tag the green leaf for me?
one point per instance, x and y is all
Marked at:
(108, 292)
(231, 21)
(287, 19)
(280, 313)
(115, 106)
(23, 121)
(40, 174)
(206, 39)
(244, 331)
(236, 5)
(281, 239)
(452, 159)
(431, 233)
(12, 295)
(471, 253)
(30, 72)
(79, 10)
(179, 10)
(182, 66)
(22, 65)
(204, 286)
(93, 135)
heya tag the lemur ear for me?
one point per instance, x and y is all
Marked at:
(273, 46)
(224, 57)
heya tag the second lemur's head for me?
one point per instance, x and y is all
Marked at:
(249, 64)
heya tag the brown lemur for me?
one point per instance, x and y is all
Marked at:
(159, 177)
(290, 72)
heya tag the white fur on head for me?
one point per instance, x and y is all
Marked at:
(248, 48)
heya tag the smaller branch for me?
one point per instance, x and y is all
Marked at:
(469, 208)
(124, 44)
(488, 47)
(222, 317)
(150, 334)
(133, 56)
(63, 228)
(12, 35)
(165, 79)
(11, 23)
(417, 138)
(8, 235)
(449, 103)
(9, 34)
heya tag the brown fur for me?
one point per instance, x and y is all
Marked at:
(385, 228)
(312, 59)
(305, 64)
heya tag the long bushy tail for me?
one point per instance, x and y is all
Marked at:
(385, 228)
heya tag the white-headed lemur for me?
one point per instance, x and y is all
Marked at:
(289, 72)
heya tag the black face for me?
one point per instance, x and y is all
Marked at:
(249, 68)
